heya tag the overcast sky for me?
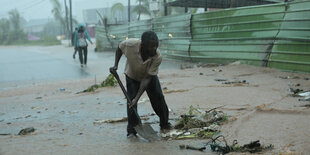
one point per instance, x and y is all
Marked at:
(41, 9)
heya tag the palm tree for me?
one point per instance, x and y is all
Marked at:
(105, 22)
(174, 10)
(15, 19)
(17, 33)
(67, 19)
(117, 7)
(142, 8)
(57, 12)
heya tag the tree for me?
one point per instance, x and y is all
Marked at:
(15, 19)
(58, 14)
(117, 7)
(142, 8)
(17, 33)
(67, 19)
(52, 29)
(104, 20)
(4, 30)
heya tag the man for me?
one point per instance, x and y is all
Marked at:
(143, 60)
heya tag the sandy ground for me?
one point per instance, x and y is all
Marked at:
(260, 110)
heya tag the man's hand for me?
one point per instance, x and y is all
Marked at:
(133, 103)
(113, 70)
(144, 83)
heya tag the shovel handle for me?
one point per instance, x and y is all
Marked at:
(114, 73)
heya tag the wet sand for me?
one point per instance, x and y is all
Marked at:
(260, 110)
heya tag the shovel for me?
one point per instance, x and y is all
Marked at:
(144, 130)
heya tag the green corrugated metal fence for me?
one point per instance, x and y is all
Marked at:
(117, 34)
(110, 40)
(173, 33)
(135, 29)
(291, 50)
(276, 35)
(102, 39)
(243, 34)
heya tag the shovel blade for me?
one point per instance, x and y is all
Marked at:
(147, 132)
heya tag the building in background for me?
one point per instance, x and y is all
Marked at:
(36, 25)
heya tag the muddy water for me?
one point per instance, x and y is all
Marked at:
(66, 127)
(261, 110)
(64, 120)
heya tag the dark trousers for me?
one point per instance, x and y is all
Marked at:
(156, 97)
(83, 55)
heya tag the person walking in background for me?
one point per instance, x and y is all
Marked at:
(81, 44)
(72, 42)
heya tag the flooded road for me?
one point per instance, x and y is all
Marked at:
(22, 65)
(29, 63)
(63, 120)
(67, 126)
(262, 109)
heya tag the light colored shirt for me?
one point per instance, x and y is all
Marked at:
(135, 67)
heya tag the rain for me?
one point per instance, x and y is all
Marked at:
(154, 77)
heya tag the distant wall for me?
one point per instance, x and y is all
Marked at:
(276, 35)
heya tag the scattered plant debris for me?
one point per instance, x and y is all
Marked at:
(108, 82)
(222, 147)
(208, 65)
(296, 91)
(118, 120)
(166, 91)
(26, 131)
(220, 79)
(236, 82)
(186, 66)
(289, 77)
(192, 147)
(217, 70)
(306, 105)
(306, 96)
(5, 134)
(197, 124)
(300, 93)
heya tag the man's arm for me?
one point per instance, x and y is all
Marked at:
(118, 55)
(144, 83)
(88, 37)
(75, 39)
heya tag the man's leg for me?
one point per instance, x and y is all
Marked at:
(75, 50)
(158, 101)
(81, 56)
(85, 55)
(132, 90)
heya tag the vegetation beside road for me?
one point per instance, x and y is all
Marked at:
(45, 41)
